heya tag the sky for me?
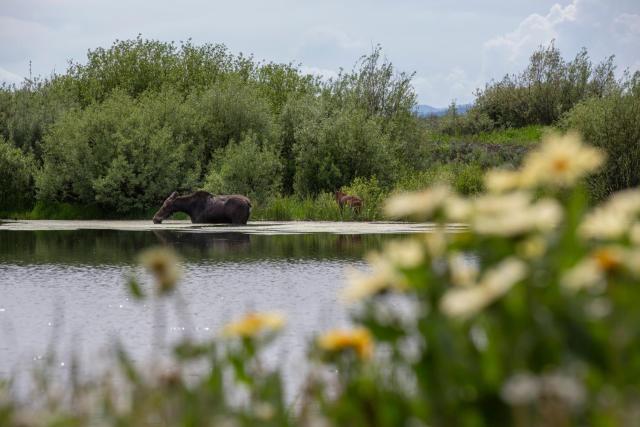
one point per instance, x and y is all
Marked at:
(453, 46)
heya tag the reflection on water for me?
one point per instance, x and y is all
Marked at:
(100, 247)
(66, 288)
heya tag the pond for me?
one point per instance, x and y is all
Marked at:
(62, 284)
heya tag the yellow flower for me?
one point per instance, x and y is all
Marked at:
(561, 160)
(422, 204)
(163, 264)
(253, 324)
(608, 259)
(463, 302)
(339, 340)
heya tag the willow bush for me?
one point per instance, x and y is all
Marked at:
(120, 154)
(527, 316)
(248, 168)
(612, 124)
(97, 132)
(16, 178)
(545, 90)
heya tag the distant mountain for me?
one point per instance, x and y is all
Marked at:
(424, 110)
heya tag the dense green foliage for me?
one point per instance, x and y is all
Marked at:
(248, 168)
(545, 90)
(143, 118)
(16, 181)
(612, 123)
(333, 149)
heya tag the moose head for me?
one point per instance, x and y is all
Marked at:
(166, 210)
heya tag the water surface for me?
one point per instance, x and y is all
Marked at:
(64, 289)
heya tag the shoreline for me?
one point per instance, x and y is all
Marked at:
(252, 227)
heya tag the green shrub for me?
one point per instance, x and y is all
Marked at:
(16, 178)
(454, 123)
(612, 123)
(225, 113)
(248, 167)
(27, 112)
(119, 154)
(464, 178)
(139, 65)
(331, 151)
(546, 89)
(374, 86)
(485, 155)
(415, 181)
(468, 179)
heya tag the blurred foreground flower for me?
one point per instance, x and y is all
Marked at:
(466, 301)
(526, 388)
(614, 219)
(513, 214)
(593, 269)
(560, 161)
(500, 181)
(162, 263)
(254, 324)
(419, 205)
(340, 340)
(384, 277)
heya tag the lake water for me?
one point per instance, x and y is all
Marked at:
(63, 287)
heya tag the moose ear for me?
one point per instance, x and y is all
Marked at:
(173, 195)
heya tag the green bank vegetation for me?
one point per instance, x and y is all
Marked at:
(114, 136)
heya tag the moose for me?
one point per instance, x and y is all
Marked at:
(205, 208)
(353, 202)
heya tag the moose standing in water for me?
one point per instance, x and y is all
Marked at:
(205, 208)
(353, 202)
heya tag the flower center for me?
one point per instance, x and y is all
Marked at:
(560, 164)
(606, 259)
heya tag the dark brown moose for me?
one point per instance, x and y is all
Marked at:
(353, 202)
(205, 208)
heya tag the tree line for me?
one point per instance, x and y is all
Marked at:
(143, 118)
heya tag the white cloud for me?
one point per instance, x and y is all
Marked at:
(8, 77)
(323, 73)
(19, 35)
(604, 27)
(534, 30)
(331, 36)
(627, 26)
(439, 89)
(454, 47)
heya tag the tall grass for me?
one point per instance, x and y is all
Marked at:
(292, 208)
